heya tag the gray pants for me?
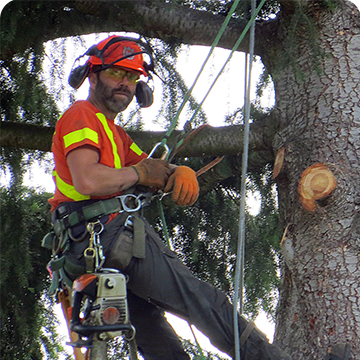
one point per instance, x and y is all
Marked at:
(161, 282)
(158, 282)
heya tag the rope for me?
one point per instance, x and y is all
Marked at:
(188, 93)
(241, 37)
(197, 343)
(240, 259)
(165, 228)
(239, 270)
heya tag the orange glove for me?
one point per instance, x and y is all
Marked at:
(153, 173)
(184, 185)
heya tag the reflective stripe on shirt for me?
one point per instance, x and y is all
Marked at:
(109, 133)
(136, 149)
(68, 190)
(80, 135)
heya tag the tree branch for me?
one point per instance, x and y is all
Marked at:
(172, 23)
(209, 141)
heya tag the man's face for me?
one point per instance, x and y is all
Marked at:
(114, 94)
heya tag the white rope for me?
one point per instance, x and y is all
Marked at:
(239, 271)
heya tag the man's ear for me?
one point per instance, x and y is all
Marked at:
(93, 79)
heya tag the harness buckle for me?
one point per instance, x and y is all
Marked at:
(124, 199)
(89, 252)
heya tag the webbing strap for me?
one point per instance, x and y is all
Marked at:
(139, 238)
(246, 333)
(100, 208)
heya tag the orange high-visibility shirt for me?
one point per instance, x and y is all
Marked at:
(83, 124)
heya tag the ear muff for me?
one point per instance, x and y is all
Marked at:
(78, 75)
(144, 94)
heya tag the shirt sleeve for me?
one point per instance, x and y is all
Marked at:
(79, 126)
(133, 154)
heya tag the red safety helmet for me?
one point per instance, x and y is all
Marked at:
(118, 51)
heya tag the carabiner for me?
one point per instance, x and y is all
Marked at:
(124, 198)
(165, 153)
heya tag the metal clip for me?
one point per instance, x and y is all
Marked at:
(165, 153)
(125, 198)
(128, 223)
(93, 254)
(89, 253)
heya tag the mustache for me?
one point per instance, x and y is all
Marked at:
(123, 89)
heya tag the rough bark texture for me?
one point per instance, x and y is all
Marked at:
(320, 122)
(210, 141)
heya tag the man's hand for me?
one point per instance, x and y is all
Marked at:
(153, 173)
(184, 185)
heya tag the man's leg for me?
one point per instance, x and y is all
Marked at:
(155, 337)
(162, 279)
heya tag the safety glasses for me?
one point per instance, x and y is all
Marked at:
(119, 74)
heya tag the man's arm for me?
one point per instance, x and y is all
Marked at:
(94, 179)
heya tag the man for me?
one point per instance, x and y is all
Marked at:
(95, 160)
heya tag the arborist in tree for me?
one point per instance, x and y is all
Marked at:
(96, 163)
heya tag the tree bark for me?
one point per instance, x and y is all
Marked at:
(155, 19)
(319, 122)
(209, 141)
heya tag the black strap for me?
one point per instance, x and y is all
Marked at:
(88, 212)
(246, 333)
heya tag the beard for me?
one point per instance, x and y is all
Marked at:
(111, 101)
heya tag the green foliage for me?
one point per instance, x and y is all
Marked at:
(27, 321)
(24, 97)
(28, 325)
(194, 353)
(262, 247)
(23, 94)
(243, 10)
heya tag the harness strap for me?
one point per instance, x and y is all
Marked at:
(139, 238)
(246, 333)
(88, 212)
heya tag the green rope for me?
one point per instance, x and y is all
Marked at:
(165, 228)
(241, 37)
(186, 98)
(197, 343)
(247, 27)
(188, 93)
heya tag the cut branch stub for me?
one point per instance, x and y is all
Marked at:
(278, 162)
(317, 182)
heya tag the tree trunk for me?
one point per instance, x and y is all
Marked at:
(320, 123)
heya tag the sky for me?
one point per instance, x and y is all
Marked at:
(227, 95)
